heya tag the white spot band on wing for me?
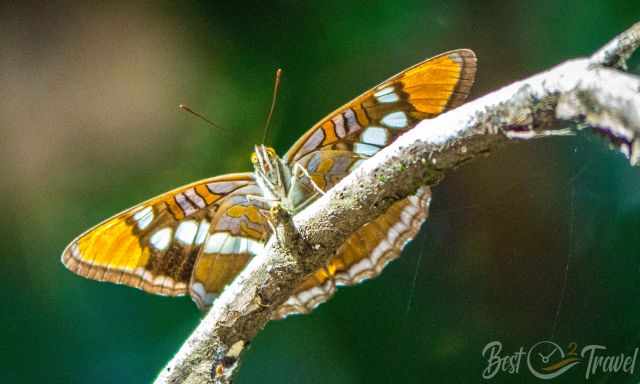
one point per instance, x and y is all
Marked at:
(161, 239)
(395, 120)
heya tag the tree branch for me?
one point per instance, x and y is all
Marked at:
(584, 91)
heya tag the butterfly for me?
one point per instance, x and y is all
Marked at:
(195, 239)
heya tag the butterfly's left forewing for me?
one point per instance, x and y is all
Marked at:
(157, 245)
(374, 119)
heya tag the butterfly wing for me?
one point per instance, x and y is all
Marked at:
(338, 143)
(375, 118)
(237, 233)
(154, 246)
(364, 255)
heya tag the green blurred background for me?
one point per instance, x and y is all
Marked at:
(537, 242)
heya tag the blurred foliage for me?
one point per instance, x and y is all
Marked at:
(538, 241)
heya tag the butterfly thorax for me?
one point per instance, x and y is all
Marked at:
(272, 176)
(287, 185)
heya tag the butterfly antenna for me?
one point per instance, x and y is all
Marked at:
(191, 111)
(276, 87)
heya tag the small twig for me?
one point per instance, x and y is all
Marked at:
(577, 91)
(616, 53)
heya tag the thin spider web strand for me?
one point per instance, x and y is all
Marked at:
(415, 275)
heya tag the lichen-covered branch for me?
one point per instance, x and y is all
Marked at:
(587, 91)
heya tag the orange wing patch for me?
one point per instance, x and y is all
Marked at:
(440, 83)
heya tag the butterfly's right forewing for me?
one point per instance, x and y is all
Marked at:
(193, 239)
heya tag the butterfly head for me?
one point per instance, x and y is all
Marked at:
(271, 173)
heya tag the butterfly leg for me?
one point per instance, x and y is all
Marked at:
(262, 199)
(268, 218)
(297, 167)
(271, 203)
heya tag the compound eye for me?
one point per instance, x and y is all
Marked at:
(271, 152)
